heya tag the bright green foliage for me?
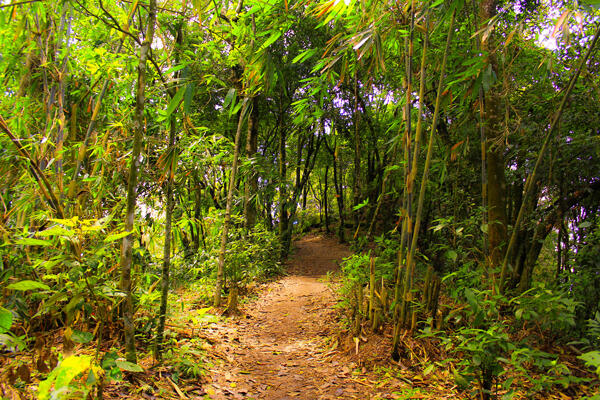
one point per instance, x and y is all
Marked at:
(6, 319)
(61, 382)
(334, 148)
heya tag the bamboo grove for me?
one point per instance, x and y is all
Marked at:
(454, 144)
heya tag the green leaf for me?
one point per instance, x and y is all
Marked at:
(116, 236)
(56, 231)
(175, 101)
(82, 337)
(593, 3)
(272, 39)
(129, 366)
(591, 358)
(230, 97)
(6, 319)
(175, 69)
(471, 299)
(189, 95)
(519, 313)
(428, 370)
(33, 242)
(62, 375)
(11, 342)
(28, 285)
(303, 56)
(361, 205)
(452, 255)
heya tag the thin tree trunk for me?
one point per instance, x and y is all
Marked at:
(166, 265)
(424, 180)
(325, 199)
(356, 185)
(252, 181)
(532, 178)
(339, 192)
(283, 192)
(65, 25)
(126, 249)
(227, 220)
(84, 145)
(35, 171)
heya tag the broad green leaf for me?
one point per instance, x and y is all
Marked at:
(81, 337)
(116, 236)
(12, 342)
(230, 97)
(175, 101)
(519, 313)
(56, 231)
(63, 374)
(129, 366)
(428, 370)
(33, 242)
(452, 255)
(188, 97)
(6, 319)
(28, 285)
(66, 222)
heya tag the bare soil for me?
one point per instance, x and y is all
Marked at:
(286, 344)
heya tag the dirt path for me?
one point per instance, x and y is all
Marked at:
(282, 348)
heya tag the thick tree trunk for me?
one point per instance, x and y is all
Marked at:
(126, 249)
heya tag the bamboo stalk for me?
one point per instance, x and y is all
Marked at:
(371, 288)
(84, 145)
(227, 220)
(533, 175)
(35, 171)
(126, 249)
(436, 114)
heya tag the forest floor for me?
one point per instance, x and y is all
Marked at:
(287, 342)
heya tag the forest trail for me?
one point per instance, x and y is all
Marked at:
(283, 345)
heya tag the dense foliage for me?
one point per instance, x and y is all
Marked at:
(455, 144)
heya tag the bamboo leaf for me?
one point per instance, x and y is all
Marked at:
(272, 39)
(175, 102)
(230, 97)
(33, 242)
(560, 23)
(28, 285)
(116, 236)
